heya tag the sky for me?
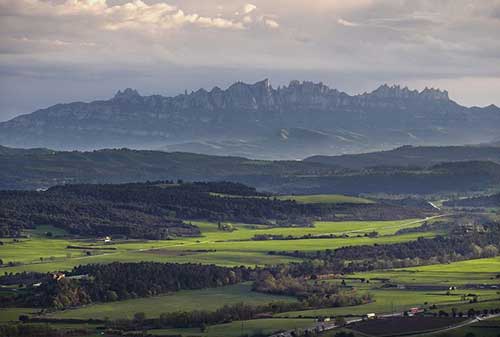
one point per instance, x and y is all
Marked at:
(56, 51)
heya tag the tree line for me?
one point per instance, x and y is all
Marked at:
(157, 210)
(120, 281)
(462, 243)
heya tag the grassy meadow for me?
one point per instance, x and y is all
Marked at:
(388, 300)
(241, 328)
(42, 254)
(479, 271)
(184, 300)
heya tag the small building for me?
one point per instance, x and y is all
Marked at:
(105, 239)
(58, 276)
(414, 311)
(370, 315)
(324, 319)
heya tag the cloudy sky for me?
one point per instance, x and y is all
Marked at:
(55, 51)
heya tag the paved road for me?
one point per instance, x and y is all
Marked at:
(457, 326)
(329, 326)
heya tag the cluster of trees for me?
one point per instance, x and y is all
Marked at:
(459, 245)
(471, 312)
(291, 286)
(12, 229)
(312, 295)
(37, 330)
(202, 318)
(24, 278)
(154, 210)
(120, 281)
(265, 237)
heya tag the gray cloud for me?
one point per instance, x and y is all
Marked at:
(91, 46)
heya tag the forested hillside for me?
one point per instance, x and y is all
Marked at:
(483, 201)
(411, 156)
(41, 168)
(159, 210)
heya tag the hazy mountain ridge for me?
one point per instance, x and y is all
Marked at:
(41, 168)
(255, 119)
(405, 156)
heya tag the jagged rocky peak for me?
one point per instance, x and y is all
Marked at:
(396, 91)
(308, 87)
(432, 93)
(127, 94)
(265, 83)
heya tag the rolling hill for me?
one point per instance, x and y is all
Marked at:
(42, 168)
(407, 156)
(483, 201)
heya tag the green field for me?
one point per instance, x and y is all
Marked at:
(389, 301)
(326, 199)
(12, 314)
(234, 248)
(185, 300)
(241, 328)
(385, 300)
(481, 271)
(457, 273)
(224, 248)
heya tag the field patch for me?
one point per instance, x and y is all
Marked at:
(404, 325)
(478, 271)
(172, 252)
(44, 230)
(392, 300)
(241, 328)
(185, 300)
(12, 314)
(326, 199)
(226, 248)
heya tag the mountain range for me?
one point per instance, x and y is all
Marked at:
(257, 121)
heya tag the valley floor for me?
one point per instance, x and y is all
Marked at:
(425, 286)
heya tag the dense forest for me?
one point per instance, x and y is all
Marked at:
(157, 210)
(36, 330)
(87, 216)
